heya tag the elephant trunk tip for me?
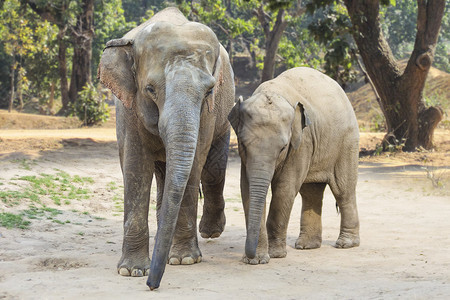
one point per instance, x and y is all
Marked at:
(250, 248)
(152, 286)
(156, 273)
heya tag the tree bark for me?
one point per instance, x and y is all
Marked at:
(62, 69)
(273, 38)
(20, 85)
(13, 74)
(401, 91)
(82, 34)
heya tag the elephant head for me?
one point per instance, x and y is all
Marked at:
(268, 127)
(167, 75)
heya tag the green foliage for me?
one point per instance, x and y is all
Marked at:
(10, 220)
(298, 47)
(331, 28)
(134, 11)
(90, 107)
(29, 44)
(398, 22)
(58, 187)
(227, 22)
(110, 23)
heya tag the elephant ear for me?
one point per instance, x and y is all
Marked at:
(218, 75)
(301, 120)
(115, 70)
(233, 117)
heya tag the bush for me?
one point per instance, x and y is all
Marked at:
(90, 107)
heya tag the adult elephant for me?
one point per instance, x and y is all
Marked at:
(175, 88)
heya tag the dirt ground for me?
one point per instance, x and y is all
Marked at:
(72, 254)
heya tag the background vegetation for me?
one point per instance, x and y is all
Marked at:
(50, 49)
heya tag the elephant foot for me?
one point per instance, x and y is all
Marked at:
(212, 225)
(180, 255)
(132, 266)
(260, 258)
(307, 242)
(347, 240)
(277, 251)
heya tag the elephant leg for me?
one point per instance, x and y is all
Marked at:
(344, 190)
(160, 175)
(212, 223)
(262, 251)
(185, 248)
(311, 218)
(278, 219)
(137, 172)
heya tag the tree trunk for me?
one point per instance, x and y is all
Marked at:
(401, 91)
(62, 69)
(273, 38)
(82, 50)
(51, 100)
(19, 86)
(13, 74)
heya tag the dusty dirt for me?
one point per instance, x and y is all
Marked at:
(405, 231)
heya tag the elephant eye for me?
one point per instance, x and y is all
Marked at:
(284, 147)
(150, 89)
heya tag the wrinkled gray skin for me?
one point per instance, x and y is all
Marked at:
(297, 133)
(175, 88)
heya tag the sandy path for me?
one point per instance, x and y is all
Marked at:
(404, 252)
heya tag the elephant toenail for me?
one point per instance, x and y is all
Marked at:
(124, 272)
(187, 261)
(174, 261)
(137, 273)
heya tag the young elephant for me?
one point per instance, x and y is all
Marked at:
(297, 132)
(175, 89)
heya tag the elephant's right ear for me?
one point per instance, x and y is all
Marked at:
(301, 120)
(233, 117)
(115, 70)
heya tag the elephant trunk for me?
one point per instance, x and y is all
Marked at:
(179, 130)
(258, 187)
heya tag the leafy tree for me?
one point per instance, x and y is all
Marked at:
(23, 40)
(274, 17)
(230, 20)
(400, 90)
(75, 21)
(63, 14)
(82, 36)
(90, 107)
(110, 24)
(398, 23)
(298, 47)
(331, 27)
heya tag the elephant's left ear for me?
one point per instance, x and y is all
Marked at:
(301, 120)
(233, 117)
(218, 75)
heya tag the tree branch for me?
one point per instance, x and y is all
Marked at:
(262, 18)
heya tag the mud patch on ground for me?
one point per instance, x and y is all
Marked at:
(59, 264)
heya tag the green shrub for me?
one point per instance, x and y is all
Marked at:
(90, 107)
(10, 220)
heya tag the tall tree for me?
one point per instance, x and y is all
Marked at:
(61, 13)
(400, 91)
(272, 18)
(82, 36)
(18, 39)
(75, 20)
